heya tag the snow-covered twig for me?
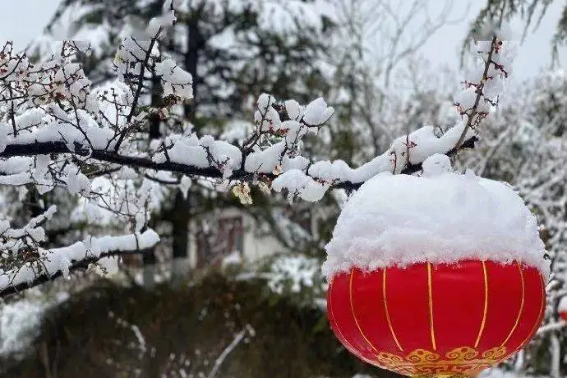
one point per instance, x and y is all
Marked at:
(237, 339)
(550, 327)
(474, 115)
(555, 356)
(49, 264)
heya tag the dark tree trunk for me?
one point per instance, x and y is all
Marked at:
(195, 43)
(181, 216)
(149, 258)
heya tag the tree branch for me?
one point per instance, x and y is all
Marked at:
(45, 277)
(47, 148)
(472, 117)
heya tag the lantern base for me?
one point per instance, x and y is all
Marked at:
(459, 362)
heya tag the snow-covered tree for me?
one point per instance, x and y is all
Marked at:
(525, 145)
(233, 50)
(60, 131)
(381, 81)
(380, 86)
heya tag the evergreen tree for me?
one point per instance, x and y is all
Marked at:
(234, 50)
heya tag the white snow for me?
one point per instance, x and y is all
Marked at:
(440, 217)
(296, 271)
(177, 81)
(19, 322)
(232, 259)
(562, 306)
(316, 113)
(60, 259)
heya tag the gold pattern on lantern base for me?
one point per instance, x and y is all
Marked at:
(459, 362)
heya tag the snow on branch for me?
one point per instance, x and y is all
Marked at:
(57, 130)
(408, 152)
(271, 151)
(24, 263)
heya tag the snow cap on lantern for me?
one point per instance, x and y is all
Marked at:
(440, 217)
(437, 275)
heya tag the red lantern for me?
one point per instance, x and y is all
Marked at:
(437, 320)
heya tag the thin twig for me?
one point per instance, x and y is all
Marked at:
(474, 110)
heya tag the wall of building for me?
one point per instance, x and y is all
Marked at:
(256, 243)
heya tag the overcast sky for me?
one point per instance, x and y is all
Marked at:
(21, 20)
(534, 55)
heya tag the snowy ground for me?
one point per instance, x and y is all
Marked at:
(19, 322)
